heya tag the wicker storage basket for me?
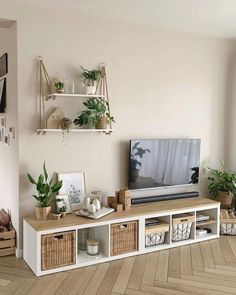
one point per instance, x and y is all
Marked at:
(227, 223)
(181, 227)
(124, 237)
(155, 235)
(58, 250)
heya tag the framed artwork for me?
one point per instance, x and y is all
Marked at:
(3, 95)
(66, 202)
(3, 64)
(74, 186)
(12, 132)
(3, 122)
(1, 135)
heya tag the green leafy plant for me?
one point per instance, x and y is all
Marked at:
(90, 76)
(137, 154)
(59, 85)
(46, 189)
(96, 108)
(224, 181)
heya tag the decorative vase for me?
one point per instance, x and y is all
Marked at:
(225, 199)
(101, 123)
(42, 212)
(90, 90)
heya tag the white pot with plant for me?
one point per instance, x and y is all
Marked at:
(46, 191)
(96, 115)
(90, 80)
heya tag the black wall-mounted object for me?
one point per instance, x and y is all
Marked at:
(3, 64)
(3, 95)
(143, 200)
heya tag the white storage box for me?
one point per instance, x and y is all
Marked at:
(155, 235)
(181, 227)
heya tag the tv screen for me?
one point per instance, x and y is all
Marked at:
(163, 162)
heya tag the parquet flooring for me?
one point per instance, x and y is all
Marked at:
(207, 268)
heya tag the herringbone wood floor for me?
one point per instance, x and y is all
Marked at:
(207, 268)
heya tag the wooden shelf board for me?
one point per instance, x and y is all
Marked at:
(211, 221)
(55, 95)
(157, 208)
(43, 131)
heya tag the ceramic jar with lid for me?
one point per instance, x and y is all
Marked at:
(92, 247)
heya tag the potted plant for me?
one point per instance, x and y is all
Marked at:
(137, 154)
(90, 78)
(57, 213)
(46, 191)
(96, 115)
(222, 185)
(59, 86)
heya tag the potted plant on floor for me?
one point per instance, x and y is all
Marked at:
(46, 191)
(90, 80)
(96, 115)
(222, 185)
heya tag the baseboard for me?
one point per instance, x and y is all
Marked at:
(19, 253)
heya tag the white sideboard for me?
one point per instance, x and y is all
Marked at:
(101, 229)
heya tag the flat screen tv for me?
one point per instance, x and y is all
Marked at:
(157, 163)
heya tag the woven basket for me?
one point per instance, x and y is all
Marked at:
(58, 250)
(124, 237)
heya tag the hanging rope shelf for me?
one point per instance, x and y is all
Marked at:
(47, 92)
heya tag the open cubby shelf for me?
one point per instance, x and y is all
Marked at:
(120, 235)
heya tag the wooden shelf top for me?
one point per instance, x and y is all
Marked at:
(136, 210)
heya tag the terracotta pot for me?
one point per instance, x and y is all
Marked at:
(101, 123)
(42, 212)
(225, 198)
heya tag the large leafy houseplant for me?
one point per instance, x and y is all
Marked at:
(90, 76)
(97, 110)
(222, 185)
(137, 154)
(46, 190)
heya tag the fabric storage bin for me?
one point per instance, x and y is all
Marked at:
(58, 250)
(181, 227)
(155, 235)
(227, 222)
(124, 237)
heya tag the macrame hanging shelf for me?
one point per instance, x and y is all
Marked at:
(46, 90)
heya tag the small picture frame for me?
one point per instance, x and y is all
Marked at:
(3, 95)
(12, 132)
(66, 202)
(73, 185)
(6, 139)
(3, 122)
(3, 64)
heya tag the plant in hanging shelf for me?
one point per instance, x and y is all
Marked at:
(96, 115)
(222, 185)
(90, 78)
(59, 86)
(46, 191)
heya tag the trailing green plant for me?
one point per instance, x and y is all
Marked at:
(137, 154)
(224, 181)
(46, 189)
(59, 85)
(90, 76)
(96, 108)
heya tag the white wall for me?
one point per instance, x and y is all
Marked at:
(9, 171)
(162, 84)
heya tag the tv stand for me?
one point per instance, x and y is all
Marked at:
(144, 200)
(36, 231)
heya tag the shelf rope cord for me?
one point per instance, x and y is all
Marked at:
(43, 75)
(102, 89)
